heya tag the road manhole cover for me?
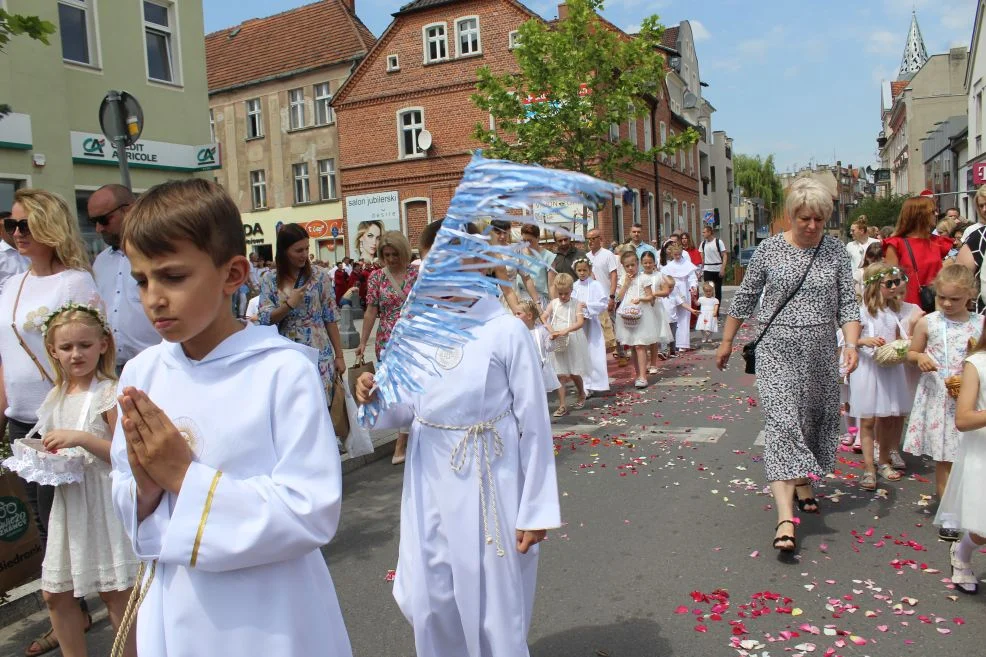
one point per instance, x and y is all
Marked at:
(685, 381)
(692, 435)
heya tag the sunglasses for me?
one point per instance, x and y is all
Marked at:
(894, 282)
(11, 225)
(104, 219)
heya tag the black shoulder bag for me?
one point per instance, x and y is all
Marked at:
(926, 294)
(750, 349)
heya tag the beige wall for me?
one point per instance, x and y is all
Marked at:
(279, 148)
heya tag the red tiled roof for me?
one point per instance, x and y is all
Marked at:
(319, 34)
(897, 88)
(670, 37)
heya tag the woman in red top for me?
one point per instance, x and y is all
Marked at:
(689, 248)
(914, 225)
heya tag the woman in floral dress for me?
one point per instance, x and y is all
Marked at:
(387, 288)
(298, 297)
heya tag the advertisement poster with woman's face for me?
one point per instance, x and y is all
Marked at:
(368, 217)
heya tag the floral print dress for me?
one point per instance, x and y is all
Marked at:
(305, 324)
(388, 301)
(931, 429)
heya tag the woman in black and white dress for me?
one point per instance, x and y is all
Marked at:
(797, 369)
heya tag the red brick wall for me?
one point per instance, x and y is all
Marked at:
(366, 115)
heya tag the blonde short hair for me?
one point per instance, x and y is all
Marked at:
(980, 193)
(808, 193)
(564, 281)
(395, 240)
(52, 224)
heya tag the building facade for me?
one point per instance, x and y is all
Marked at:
(419, 78)
(152, 49)
(974, 162)
(271, 84)
(940, 154)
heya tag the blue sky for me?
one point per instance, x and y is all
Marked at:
(800, 80)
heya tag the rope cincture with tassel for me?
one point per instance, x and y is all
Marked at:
(133, 604)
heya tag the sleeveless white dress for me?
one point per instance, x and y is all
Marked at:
(962, 505)
(573, 360)
(88, 550)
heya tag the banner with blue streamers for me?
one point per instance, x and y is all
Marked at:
(452, 275)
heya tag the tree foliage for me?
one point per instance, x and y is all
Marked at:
(757, 178)
(16, 25)
(583, 77)
(879, 212)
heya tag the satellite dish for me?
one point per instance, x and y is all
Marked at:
(424, 140)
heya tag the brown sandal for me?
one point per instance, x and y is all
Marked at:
(48, 642)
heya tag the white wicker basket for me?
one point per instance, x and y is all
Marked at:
(34, 463)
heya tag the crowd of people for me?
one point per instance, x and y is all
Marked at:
(880, 342)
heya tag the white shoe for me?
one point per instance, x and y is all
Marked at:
(640, 383)
(963, 578)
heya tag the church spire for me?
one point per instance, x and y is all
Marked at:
(915, 54)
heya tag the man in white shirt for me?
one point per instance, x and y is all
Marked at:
(604, 265)
(132, 331)
(861, 240)
(11, 262)
(714, 260)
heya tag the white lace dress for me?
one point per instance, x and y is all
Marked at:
(88, 550)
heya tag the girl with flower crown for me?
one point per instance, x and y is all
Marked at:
(88, 551)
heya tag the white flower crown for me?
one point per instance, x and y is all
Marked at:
(69, 307)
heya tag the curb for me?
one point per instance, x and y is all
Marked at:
(26, 600)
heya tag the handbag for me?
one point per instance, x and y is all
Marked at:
(337, 409)
(926, 294)
(750, 349)
(354, 372)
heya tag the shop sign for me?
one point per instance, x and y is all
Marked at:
(978, 173)
(94, 148)
(15, 131)
(320, 228)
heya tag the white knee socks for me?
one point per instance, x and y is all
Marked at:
(965, 548)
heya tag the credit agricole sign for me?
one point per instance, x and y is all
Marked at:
(94, 148)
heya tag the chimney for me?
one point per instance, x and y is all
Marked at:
(562, 11)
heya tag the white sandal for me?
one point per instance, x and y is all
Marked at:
(963, 578)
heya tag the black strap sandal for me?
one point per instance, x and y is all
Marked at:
(784, 538)
(806, 502)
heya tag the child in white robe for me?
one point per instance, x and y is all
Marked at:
(470, 527)
(230, 509)
(530, 314)
(681, 269)
(594, 297)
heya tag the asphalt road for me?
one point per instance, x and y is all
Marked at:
(656, 519)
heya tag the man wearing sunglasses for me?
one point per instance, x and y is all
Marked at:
(132, 331)
(11, 262)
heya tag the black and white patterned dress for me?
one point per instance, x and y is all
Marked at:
(797, 368)
(976, 241)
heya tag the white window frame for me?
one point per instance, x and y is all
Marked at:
(173, 40)
(673, 157)
(258, 188)
(513, 39)
(649, 131)
(428, 41)
(618, 216)
(323, 104)
(302, 183)
(259, 113)
(664, 139)
(417, 199)
(296, 109)
(88, 7)
(393, 63)
(691, 162)
(636, 208)
(459, 32)
(400, 133)
(614, 132)
(212, 125)
(330, 174)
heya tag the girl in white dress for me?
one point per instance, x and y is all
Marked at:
(661, 288)
(679, 267)
(590, 292)
(708, 306)
(879, 396)
(88, 550)
(962, 503)
(529, 313)
(564, 318)
(636, 325)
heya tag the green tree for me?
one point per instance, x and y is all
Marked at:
(15, 25)
(758, 179)
(879, 212)
(584, 76)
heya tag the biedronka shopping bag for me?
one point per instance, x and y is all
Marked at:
(20, 544)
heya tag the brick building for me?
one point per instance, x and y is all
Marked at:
(419, 77)
(271, 82)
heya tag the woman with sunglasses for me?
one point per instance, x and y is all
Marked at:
(914, 249)
(45, 232)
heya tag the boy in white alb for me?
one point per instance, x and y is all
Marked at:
(479, 490)
(231, 507)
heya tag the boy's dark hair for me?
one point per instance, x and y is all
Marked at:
(192, 210)
(531, 229)
(288, 236)
(500, 225)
